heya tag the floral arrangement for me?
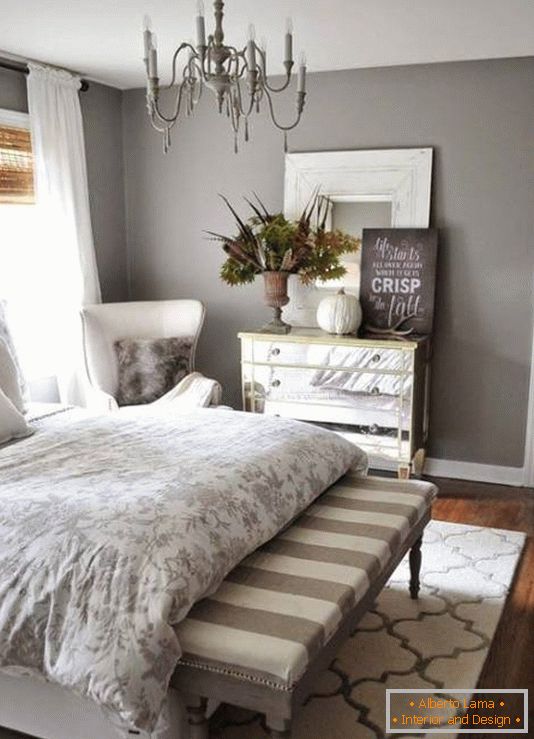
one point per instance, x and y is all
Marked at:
(269, 242)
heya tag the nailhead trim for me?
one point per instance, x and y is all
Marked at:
(239, 675)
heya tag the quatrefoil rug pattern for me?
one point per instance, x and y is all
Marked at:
(439, 641)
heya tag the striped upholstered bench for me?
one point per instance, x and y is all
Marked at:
(280, 616)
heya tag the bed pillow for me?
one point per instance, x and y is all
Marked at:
(149, 368)
(9, 377)
(5, 334)
(12, 423)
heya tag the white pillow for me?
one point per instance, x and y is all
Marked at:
(5, 334)
(9, 377)
(12, 423)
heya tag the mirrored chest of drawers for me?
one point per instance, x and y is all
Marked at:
(372, 392)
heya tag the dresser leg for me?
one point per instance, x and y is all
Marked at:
(418, 462)
(403, 471)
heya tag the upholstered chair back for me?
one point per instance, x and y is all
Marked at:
(106, 323)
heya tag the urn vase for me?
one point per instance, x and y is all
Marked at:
(276, 297)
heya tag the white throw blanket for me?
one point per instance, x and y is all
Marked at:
(194, 391)
(111, 528)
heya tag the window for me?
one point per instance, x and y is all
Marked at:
(16, 161)
(25, 268)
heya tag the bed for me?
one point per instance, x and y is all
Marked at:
(111, 528)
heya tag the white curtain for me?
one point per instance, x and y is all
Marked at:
(63, 203)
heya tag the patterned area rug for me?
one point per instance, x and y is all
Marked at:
(439, 641)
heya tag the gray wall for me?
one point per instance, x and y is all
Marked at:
(102, 115)
(13, 91)
(477, 116)
(102, 121)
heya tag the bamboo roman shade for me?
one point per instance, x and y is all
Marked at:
(16, 166)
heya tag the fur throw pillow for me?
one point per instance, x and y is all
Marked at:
(149, 368)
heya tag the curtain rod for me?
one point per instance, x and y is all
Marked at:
(23, 68)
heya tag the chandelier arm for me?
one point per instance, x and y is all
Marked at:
(277, 89)
(263, 68)
(192, 71)
(155, 124)
(300, 108)
(244, 67)
(236, 99)
(235, 59)
(199, 84)
(244, 113)
(182, 46)
(160, 127)
(177, 107)
(234, 119)
(206, 68)
(232, 68)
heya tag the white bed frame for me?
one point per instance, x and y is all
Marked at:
(48, 711)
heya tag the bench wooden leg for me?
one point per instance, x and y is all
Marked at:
(278, 728)
(415, 568)
(196, 718)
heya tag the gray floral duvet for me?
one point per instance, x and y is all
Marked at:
(111, 528)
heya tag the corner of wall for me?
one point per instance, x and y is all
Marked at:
(125, 200)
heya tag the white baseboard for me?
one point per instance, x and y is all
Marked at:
(471, 471)
(476, 472)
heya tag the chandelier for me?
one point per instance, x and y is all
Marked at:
(238, 78)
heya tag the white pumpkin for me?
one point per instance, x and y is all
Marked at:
(339, 314)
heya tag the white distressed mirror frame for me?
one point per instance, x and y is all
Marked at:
(399, 176)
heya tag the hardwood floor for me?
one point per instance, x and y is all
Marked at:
(510, 661)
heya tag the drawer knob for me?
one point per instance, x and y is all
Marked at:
(275, 352)
(373, 429)
(275, 383)
(375, 391)
(376, 358)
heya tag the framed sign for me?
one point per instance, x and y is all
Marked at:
(398, 278)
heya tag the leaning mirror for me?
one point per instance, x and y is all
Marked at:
(384, 188)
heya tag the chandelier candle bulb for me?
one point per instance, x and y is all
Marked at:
(302, 74)
(153, 59)
(251, 55)
(289, 42)
(147, 36)
(201, 26)
(251, 48)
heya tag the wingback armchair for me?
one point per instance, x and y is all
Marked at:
(107, 323)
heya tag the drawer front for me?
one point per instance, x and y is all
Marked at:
(326, 355)
(309, 385)
(375, 417)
